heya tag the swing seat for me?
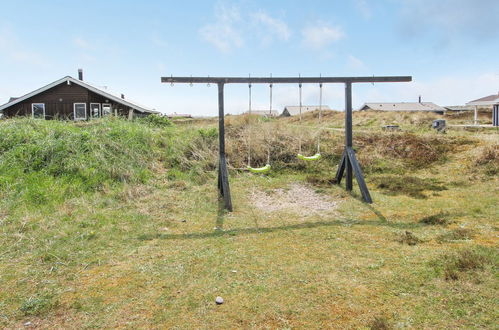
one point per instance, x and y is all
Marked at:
(264, 169)
(317, 156)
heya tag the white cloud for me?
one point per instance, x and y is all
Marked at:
(271, 27)
(82, 43)
(223, 33)
(450, 18)
(363, 8)
(321, 35)
(157, 40)
(355, 63)
(12, 49)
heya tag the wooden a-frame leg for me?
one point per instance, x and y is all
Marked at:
(352, 159)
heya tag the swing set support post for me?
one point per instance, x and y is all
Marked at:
(348, 160)
(223, 174)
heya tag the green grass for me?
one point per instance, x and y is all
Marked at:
(117, 224)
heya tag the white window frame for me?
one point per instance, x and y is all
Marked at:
(110, 107)
(33, 109)
(92, 112)
(74, 111)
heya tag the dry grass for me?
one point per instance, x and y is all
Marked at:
(156, 254)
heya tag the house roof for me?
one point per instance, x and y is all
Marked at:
(458, 108)
(402, 106)
(264, 112)
(487, 100)
(295, 109)
(86, 85)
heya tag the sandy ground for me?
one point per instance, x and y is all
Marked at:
(296, 198)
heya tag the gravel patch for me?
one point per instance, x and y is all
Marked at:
(296, 198)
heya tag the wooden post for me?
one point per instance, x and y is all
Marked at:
(223, 175)
(130, 113)
(348, 133)
(475, 117)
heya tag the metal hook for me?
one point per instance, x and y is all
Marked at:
(171, 80)
(208, 84)
(373, 81)
(191, 84)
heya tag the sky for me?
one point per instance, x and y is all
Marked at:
(449, 47)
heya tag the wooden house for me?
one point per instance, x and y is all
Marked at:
(403, 106)
(74, 99)
(294, 110)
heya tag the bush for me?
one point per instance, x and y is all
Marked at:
(156, 121)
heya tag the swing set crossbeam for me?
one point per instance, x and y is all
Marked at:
(284, 80)
(349, 166)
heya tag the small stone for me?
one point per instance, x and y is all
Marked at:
(27, 324)
(234, 271)
(184, 220)
(219, 300)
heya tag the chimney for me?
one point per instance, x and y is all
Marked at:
(123, 96)
(419, 99)
(80, 74)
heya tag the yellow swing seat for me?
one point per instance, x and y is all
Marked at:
(264, 169)
(317, 156)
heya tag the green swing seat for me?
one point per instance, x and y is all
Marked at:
(264, 169)
(317, 156)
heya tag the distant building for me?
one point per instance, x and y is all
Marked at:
(486, 102)
(70, 98)
(459, 108)
(264, 113)
(294, 110)
(404, 106)
(179, 115)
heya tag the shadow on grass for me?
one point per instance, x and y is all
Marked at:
(219, 224)
(263, 230)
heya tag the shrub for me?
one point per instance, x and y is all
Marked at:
(156, 121)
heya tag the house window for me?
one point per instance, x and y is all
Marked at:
(95, 110)
(80, 111)
(106, 109)
(38, 110)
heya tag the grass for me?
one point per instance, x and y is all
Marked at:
(124, 229)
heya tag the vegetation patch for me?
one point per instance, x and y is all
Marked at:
(415, 151)
(440, 218)
(381, 323)
(408, 238)
(488, 159)
(38, 305)
(457, 234)
(155, 121)
(453, 265)
(407, 185)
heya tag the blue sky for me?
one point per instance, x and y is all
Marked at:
(450, 47)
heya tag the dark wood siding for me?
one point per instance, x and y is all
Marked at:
(59, 102)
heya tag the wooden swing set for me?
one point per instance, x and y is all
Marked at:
(348, 165)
